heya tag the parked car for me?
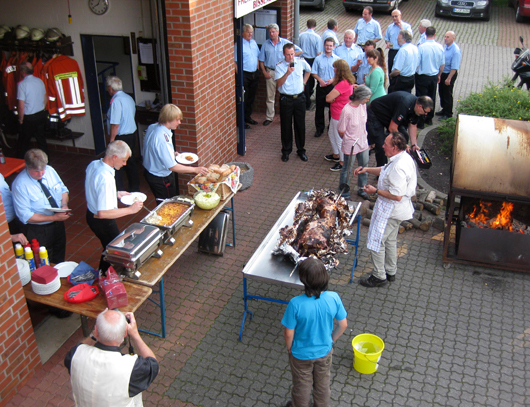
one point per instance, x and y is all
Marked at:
(464, 8)
(377, 5)
(522, 9)
(319, 4)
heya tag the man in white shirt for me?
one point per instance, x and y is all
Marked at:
(395, 188)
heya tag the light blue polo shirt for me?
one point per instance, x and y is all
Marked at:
(367, 30)
(28, 197)
(159, 154)
(294, 84)
(323, 66)
(423, 38)
(431, 58)
(250, 55)
(453, 56)
(32, 91)
(392, 33)
(407, 59)
(350, 55)
(271, 54)
(7, 199)
(312, 321)
(311, 43)
(121, 111)
(100, 187)
(329, 33)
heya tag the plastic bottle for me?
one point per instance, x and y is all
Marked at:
(19, 251)
(35, 247)
(28, 254)
(43, 255)
(2, 157)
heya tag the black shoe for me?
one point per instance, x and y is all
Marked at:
(247, 126)
(428, 122)
(308, 106)
(289, 404)
(372, 281)
(318, 133)
(390, 277)
(267, 122)
(251, 121)
(336, 167)
(303, 157)
(440, 113)
(363, 195)
(285, 157)
(420, 126)
(330, 157)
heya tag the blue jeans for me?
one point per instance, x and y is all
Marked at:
(362, 160)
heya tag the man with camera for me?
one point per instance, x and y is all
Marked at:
(100, 374)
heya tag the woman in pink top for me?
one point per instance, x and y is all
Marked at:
(352, 126)
(338, 97)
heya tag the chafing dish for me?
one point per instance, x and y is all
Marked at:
(133, 247)
(169, 230)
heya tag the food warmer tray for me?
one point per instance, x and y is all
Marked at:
(133, 247)
(183, 220)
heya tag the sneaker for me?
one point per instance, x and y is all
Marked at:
(330, 157)
(390, 277)
(336, 167)
(371, 281)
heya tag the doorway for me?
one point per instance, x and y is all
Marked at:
(105, 56)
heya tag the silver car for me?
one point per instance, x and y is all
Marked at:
(377, 5)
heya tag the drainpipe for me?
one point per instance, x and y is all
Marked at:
(296, 20)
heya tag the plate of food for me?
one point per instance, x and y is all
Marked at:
(187, 158)
(133, 197)
(59, 210)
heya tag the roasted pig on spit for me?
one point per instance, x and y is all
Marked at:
(318, 229)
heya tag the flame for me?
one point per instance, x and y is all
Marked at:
(482, 216)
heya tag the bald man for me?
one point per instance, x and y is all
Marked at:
(453, 57)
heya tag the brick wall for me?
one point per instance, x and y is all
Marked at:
(19, 356)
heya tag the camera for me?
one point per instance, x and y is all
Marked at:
(291, 64)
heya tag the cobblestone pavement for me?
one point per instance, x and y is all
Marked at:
(453, 337)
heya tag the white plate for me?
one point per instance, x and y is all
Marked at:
(182, 158)
(59, 210)
(65, 268)
(133, 197)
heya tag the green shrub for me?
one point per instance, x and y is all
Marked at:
(502, 100)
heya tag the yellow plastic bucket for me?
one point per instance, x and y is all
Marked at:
(367, 349)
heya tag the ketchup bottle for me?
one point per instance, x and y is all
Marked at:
(35, 247)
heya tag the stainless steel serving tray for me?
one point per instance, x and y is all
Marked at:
(183, 220)
(132, 247)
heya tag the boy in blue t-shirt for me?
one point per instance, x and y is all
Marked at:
(309, 335)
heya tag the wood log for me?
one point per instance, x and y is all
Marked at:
(432, 208)
(438, 223)
(426, 224)
(364, 206)
(366, 222)
(372, 204)
(369, 213)
(418, 206)
(438, 201)
(406, 224)
(417, 215)
(422, 196)
(431, 196)
(401, 229)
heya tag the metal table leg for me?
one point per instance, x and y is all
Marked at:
(162, 306)
(232, 209)
(355, 243)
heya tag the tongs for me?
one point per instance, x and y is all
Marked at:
(155, 217)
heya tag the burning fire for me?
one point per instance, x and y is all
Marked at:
(483, 217)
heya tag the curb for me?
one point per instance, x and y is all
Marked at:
(421, 181)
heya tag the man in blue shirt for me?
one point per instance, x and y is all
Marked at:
(121, 125)
(362, 67)
(406, 64)
(430, 70)
(250, 71)
(311, 43)
(367, 28)
(333, 27)
(309, 334)
(323, 72)
(41, 204)
(31, 105)
(424, 24)
(292, 75)
(391, 37)
(453, 56)
(349, 51)
(270, 55)
(15, 227)
(102, 196)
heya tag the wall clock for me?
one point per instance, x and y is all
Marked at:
(98, 7)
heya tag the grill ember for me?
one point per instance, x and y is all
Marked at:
(486, 214)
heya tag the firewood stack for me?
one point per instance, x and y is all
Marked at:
(424, 201)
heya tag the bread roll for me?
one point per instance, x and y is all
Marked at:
(200, 180)
(226, 172)
(213, 167)
(233, 167)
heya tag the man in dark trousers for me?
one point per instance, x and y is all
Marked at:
(311, 43)
(453, 57)
(395, 112)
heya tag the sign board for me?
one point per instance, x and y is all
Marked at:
(244, 7)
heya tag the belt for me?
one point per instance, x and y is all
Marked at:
(292, 96)
(270, 69)
(403, 76)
